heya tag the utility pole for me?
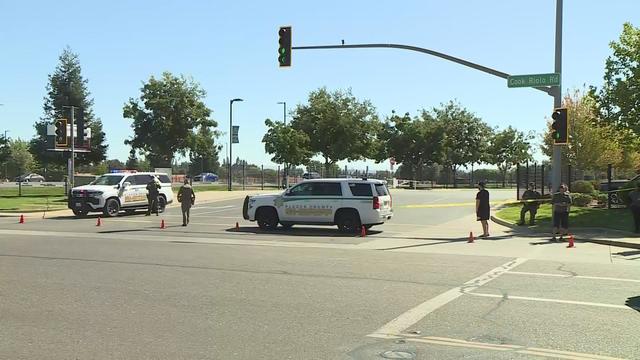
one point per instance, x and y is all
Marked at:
(231, 140)
(72, 160)
(556, 176)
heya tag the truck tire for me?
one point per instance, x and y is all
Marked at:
(111, 208)
(348, 220)
(267, 218)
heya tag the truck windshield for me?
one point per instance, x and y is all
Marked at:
(107, 180)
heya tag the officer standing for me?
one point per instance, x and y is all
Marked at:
(153, 191)
(186, 198)
(531, 204)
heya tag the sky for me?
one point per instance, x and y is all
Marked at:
(230, 48)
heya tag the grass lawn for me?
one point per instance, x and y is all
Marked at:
(32, 199)
(579, 217)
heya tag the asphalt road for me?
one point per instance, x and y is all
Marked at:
(414, 288)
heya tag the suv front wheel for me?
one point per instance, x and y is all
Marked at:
(267, 218)
(111, 208)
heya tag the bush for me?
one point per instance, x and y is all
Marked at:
(582, 187)
(602, 198)
(582, 200)
(595, 184)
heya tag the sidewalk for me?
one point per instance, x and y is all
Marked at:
(201, 197)
(593, 235)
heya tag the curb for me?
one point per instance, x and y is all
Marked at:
(616, 243)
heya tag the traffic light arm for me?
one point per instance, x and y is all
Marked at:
(549, 90)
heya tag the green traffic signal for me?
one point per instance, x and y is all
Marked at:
(284, 49)
(560, 126)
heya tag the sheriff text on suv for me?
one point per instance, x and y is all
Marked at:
(347, 203)
(111, 193)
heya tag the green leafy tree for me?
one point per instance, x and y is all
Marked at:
(164, 116)
(508, 148)
(286, 144)
(339, 126)
(593, 144)
(132, 161)
(466, 136)
(204, 155)
(412, 142)
(619, 99)
(66, 87)
(20, 159)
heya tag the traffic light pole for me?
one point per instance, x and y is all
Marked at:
(72, 163)
(556, 174)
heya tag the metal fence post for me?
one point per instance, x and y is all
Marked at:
(278, 177)
(569, 177)
(517, 181)
(244, 178)
(542, 182)
(609, 172)
(262, 177)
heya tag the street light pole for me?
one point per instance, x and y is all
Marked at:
(284, 119)
(231, 140)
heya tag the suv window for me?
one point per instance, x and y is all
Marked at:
(304, 189)
(326, 189)
(141, 179)
(381, 189)
(360, 189)
(164, 178)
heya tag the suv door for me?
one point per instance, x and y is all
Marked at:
(326, 199)
(295, 200)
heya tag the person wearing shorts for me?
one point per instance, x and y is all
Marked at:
(561, 205)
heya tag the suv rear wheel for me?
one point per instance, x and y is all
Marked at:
(111, 208)
(348, 220)
(267, 218)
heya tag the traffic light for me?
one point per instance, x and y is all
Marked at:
(79, 126)
(61, 133)
(284, 50)
(560, 126)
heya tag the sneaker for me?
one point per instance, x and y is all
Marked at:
(184, 224)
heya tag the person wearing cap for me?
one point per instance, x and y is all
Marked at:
(530, 204)
(186, 198)
(482, 208)
(153, 191)
(561, 205)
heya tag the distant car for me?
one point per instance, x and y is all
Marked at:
(30, 178)
(311, 175)
(206, 177)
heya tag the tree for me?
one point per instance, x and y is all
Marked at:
(164, 116)
(66, 87)
(412, 142)
(286, 144)
(507, 148)
(20, 158)
(466, 136)
(204, 156)
(592, 143)
(132, 161)
(619, 99)
(339, 126)
(5, 153)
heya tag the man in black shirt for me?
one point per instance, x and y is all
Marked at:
(531, 203)
(153, 191)
(482, 208)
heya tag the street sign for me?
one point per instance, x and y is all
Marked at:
(234, 134)
(533, 80)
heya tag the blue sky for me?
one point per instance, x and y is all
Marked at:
(230, 48)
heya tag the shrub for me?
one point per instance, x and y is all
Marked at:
(602, 198)
(582, 200)
(582, 187)
(595, 184)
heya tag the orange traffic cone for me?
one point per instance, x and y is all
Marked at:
(571, 240)
(21, 221)
(162, 224)
(237, 226)
(363, 231)
(471, 237)
(99, 223)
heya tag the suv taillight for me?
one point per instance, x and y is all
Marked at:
(376, 203)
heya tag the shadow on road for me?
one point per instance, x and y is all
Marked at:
(634, 303)
(320, 232)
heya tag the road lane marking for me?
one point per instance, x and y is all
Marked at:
(559, 301)
(520, 349)
(571, 276)
(412, 316)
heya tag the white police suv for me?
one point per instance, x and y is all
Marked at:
(347, 203)
(111, 193)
